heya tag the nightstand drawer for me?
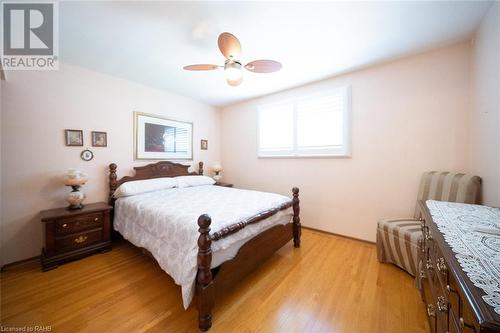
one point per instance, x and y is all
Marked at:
(78, 240)
(79, 223)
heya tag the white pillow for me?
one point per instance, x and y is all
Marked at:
(143, 186)
(187, 181)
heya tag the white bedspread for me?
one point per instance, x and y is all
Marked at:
(165, 223)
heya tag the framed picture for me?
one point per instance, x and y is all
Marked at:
(74, 137)
(204, 144)
(99, 139)
(158, 138)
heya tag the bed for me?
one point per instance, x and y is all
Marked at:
(206, 237)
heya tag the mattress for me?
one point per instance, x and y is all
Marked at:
(165, 223)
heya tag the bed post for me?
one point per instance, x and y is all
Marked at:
(296, 217)
(200, 168)
(112, 182)
(204, 284)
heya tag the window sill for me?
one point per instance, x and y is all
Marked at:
(303, 156)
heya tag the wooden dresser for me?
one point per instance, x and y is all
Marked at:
(71, 234)
(453, 303)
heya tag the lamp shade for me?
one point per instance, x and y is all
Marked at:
(75, 178)
(217, 167)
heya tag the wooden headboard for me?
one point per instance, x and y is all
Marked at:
(153, 170)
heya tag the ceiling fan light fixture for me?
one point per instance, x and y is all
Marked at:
(230, 48)
(233, 71)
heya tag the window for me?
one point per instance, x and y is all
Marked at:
(312, 125)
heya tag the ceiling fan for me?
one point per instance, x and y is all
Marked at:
(230, 47)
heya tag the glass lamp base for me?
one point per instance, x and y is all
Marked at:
(79, 206)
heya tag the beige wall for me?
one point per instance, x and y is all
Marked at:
(409, 116)
(485, 117)
(38, 106)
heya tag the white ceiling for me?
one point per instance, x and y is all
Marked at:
(149, 42)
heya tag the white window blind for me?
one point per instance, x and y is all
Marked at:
(276, 128)
(313, 125)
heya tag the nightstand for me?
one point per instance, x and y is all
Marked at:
(223, 184)
(72, 234)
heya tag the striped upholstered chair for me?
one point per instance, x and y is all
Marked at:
(398, 240)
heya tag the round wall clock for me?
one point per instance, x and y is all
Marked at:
(87, 155)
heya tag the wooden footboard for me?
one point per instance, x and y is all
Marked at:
(211, 282)
(251, 255)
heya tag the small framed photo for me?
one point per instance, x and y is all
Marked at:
(74, 137)
(204, 144)
(99, 139)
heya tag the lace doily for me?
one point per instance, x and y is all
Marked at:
(464, 228)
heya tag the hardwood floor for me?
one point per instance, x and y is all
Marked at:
(330, 284)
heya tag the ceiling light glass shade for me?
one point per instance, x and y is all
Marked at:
(233, 73)
(234, 83)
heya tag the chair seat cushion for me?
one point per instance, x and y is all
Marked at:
(398, 242)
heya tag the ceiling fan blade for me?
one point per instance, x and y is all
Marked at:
(200, 67)
(229, 45)
(263, 66)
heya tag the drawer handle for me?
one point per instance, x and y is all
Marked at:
(80, 239)
(442, 304)
(96, 219)
(448, 287)
(441, 265)
(431, 312)
(463, 324)
(65, 225)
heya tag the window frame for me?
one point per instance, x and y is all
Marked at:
(343, 151)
